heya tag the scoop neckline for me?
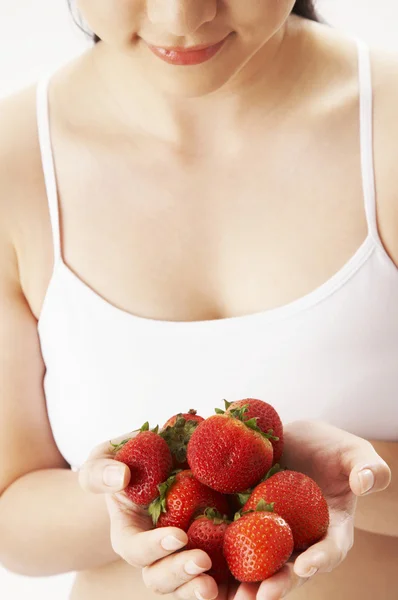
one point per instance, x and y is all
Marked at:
(306, 301)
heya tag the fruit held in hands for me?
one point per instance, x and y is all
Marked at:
(182, 498)
(177, 432)
(228, 455)
(299, 500)
(267, 420)
(207, 533)
(150, 462)
(257, 545)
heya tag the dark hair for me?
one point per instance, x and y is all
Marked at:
(303, 8)
(306, 9)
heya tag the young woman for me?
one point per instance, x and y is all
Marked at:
(203, 205)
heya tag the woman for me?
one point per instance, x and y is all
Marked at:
(193, 216)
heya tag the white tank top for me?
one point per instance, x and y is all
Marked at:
(331, 355)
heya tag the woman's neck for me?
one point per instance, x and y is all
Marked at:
(264, 84)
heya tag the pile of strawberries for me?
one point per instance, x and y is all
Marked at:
(219, 480)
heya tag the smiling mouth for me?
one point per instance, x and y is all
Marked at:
(194, 55)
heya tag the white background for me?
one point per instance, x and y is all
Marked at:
(39, 35)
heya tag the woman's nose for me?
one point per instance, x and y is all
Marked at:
(181, 17)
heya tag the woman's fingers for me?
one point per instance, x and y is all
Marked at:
(322, 557)
(101, 474)
(281, 584)
(104, 476)
(167, 575)
(327, 554)
(146, 547)
(134, 540)
(368, 472)
(202, 587)
(154, 550)
(245, 591)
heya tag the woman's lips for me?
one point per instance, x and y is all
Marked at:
(187, 56)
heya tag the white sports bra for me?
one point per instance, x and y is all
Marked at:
(331, 355)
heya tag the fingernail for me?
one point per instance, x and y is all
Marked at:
(307, 571)
(172, 543)
(193, 569)
(366, 480)
(199, 595)
(113, 476)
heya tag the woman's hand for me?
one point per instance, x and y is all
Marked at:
(345, 467)
(134, 539)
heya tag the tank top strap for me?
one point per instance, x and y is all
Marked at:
(44, 133)
(366, 135)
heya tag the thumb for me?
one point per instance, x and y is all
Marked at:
(104, 476)
(368, 472)
(101, 474)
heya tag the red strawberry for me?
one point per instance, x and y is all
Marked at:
(149, 460)
(268, 420)
(207, 534)
(177, 432)
(182, 498)
(228, 455)
(299, 500)
(257, 545)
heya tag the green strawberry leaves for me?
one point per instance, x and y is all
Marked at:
(243, 497)
(213, 515)
(262, 506)
(158, 505)
(178, 435)
(145, 427)
(273, 471)
(239, 413)
(252, 424)
(116, 447)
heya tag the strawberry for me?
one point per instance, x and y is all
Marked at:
(207, 533)
(182, 498)
(177, 432)
(228, 455)
(268, 420)
(299, 500)
(149, 459)
(189, 416)
(257, 545)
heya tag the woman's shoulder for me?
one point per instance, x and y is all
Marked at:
(20, 161)
(19, 146)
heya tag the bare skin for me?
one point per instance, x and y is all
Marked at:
(316, 210)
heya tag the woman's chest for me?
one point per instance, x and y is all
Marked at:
(191, 239)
